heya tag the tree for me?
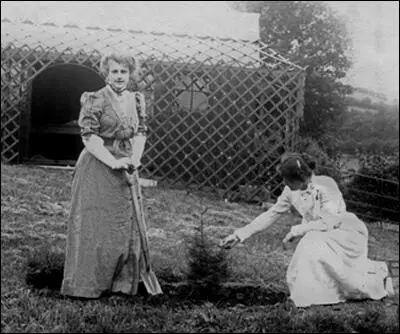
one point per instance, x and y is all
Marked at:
(312, 35)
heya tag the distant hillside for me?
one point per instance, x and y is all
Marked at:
(365, 100)
(363, 93)
(371, 128)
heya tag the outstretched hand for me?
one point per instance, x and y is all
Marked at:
(229, 242)
(288, 238)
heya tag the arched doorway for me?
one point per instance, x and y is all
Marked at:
(54, 136)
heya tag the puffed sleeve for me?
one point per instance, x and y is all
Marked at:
(282, 205)
(140, 102)
(89, 117)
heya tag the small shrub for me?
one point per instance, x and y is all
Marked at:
(207, 263)
(45, 269)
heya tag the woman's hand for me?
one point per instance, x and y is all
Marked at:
(122, 163)
(288, 238)
(229, 242)
(295, 232)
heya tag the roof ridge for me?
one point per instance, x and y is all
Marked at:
(263, 46)
(115, 29)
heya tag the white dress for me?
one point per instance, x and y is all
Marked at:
(329, 266)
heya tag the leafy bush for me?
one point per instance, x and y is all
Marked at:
(45, 269)
(369, 146)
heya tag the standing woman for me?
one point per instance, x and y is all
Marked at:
(330, 263)
(101, 216)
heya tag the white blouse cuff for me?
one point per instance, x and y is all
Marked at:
(242, 234)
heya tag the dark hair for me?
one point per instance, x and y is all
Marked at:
(309, 160)
(296, 166)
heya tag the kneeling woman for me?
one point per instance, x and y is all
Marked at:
(330, 264)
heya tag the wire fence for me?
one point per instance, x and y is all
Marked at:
(373, 199)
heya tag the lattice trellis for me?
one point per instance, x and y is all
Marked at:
(222, 110)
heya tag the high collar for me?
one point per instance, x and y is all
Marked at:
(309, 190)
(115, 93)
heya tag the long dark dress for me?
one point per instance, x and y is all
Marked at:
(100, 223)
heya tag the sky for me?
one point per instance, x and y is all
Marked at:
(373, 27)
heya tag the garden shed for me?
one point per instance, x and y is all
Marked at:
(221, 110)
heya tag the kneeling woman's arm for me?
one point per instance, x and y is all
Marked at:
(267, 218)
(329, 207)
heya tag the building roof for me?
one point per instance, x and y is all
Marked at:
(194, 18)
(71, 39)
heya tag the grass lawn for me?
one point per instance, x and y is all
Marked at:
(34, 209)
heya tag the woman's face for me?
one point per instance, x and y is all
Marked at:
(296, 185)
(118, 76)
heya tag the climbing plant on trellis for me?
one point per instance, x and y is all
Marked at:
(221, 110)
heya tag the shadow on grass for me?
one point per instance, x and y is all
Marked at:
(44, 274)
(226, 294)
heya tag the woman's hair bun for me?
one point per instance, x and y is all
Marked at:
(309, 160)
